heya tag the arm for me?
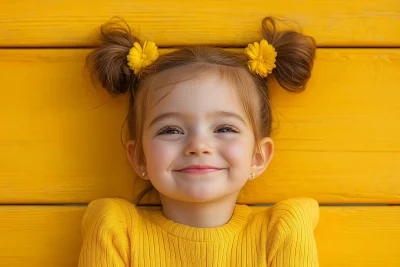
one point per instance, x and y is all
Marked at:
(105, 239)
(291, 241)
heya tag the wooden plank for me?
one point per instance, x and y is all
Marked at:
(234, 23)
(346, 236)
(40, 235)
(359, 236)
(337, 141)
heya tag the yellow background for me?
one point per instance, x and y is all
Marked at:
(338, 141)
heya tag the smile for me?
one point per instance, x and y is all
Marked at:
(199, 171)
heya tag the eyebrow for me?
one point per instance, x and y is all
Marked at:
(182, 116)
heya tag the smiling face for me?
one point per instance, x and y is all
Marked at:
(198, 121)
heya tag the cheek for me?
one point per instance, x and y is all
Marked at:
(160, 154)
(239, 152)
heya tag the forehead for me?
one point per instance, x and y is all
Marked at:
(194, 91)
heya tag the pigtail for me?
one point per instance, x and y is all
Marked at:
(295, 55)
(108, 62)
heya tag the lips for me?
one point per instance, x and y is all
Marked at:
(199, 169)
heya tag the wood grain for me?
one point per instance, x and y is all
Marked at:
(74, 23)
(337, 141)
(346, 236)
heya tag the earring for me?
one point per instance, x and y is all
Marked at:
(144, 173)
(252, 176)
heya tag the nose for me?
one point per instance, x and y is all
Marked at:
(199, 144)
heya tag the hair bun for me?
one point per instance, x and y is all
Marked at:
(295, 55)
(108, 62)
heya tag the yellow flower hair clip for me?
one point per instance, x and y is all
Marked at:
(262, 58)
(139, 57)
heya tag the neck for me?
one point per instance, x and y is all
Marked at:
(199, 214)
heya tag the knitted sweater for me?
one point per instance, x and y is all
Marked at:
(117, 233)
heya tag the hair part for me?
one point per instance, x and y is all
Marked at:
(108, 64)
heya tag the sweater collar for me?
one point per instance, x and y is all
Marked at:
(234, 225)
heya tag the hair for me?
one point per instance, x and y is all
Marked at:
(108, 65)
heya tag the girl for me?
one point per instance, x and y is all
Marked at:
(200, 125)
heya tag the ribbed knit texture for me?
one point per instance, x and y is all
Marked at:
(117, 233)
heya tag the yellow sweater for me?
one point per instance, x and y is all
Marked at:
(117, 233)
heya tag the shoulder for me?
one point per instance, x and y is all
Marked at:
(291, 239)
(295, 213)
(110, 205)
(108, 212)
(106, 233)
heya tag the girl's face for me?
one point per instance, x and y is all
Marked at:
(200, 122)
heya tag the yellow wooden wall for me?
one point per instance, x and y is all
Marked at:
(337, 142)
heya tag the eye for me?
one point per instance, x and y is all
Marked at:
(168, 130)
(228, 128)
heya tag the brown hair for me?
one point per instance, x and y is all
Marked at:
(294, 62)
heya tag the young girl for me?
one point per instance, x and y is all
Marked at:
(200, 125)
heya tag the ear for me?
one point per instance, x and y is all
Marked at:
(267, 150)
(136, 165)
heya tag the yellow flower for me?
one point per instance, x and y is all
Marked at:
(139, 58)
(262, 57)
